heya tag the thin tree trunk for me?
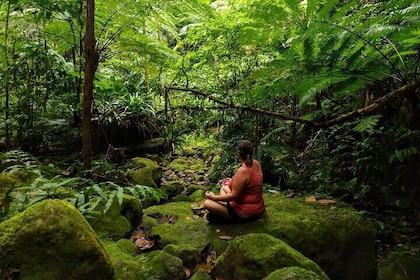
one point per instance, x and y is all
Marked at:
(90, 69)
(7, 105)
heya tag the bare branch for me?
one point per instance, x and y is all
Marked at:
(379, 103)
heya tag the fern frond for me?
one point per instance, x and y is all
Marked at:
(327, 9)
(368, 123)
(402, 155)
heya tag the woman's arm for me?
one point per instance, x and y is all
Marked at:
(240, 180)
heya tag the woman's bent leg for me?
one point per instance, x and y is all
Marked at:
(217, 208)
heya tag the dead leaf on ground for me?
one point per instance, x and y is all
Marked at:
(313, 199)
(167, 219)
(225, 237)
(326, 201)
(144, 244)
(310, 199)
(187, 272)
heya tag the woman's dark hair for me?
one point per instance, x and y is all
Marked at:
(245, 150)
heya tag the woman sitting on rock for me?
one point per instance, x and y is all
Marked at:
(240, 198)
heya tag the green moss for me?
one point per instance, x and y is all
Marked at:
(201, 274)
(125, 265)
(338, 238)
(183, 164)
(7, 181)
(145, 172)
(197, 195)
(189, 255)
(400, 266)
(127, 245)
(293, 273)
(51, 239)
(111, 223)
(163, 266)
(172, 188)
(132, 209)
(185, 230)
(254, 256)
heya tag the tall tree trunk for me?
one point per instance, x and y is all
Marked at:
(6, 44)
(91, 61)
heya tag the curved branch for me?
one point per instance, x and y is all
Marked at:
(246, 108)
(379, 103)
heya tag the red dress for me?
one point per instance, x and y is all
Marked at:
(251, 203)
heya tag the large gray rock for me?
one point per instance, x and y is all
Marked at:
(52, 240)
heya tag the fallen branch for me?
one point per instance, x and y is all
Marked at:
(379, 103)
(245, 108)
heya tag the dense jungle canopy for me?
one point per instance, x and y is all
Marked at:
(327, 90)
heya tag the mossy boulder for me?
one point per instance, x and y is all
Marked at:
(339, 239)
(400, 266)
(256, 255)
(7, 182)
(163, 266)
(293, 273)
(117, 221)
(126, 266)
(52, 240)
(189, 255)
(144, 171)
(151, 265)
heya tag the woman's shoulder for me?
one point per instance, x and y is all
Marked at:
(256, 166)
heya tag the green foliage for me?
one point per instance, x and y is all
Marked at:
(20, 163)
(368, 123)
(88, 200)
(84, 194)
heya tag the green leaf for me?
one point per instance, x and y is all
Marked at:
(367, 124)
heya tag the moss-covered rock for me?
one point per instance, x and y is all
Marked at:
(172, 188)
(163, 266)
(189, 255)
(400, 266)
(119, 220)
(201, 274)
(7, 182)
(143, 171)
(132, 210)
(256, 255)
(52, 240)
(152, 265)
(293, 273)
(340, 240)
(125, 265)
